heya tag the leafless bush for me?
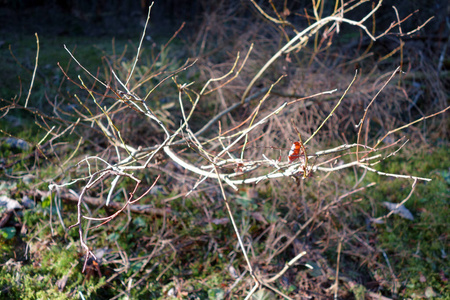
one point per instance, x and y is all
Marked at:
(271, 141)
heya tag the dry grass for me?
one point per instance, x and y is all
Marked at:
(310, 205)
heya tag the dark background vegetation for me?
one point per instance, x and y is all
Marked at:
(398, 259)
(119, 18)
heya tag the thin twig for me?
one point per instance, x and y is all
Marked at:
(140, 44)
(241, 244)
(34, 71)
(367, 109)
(286, 267)
(332, 111)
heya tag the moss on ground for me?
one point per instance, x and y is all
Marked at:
(417, 250)
(147, 256)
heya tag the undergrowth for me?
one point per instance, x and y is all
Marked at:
(179, 239)
(196, 259)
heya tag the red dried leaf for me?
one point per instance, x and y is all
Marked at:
(294, 153)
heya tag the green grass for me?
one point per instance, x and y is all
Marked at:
(418, 250)
(187, 251)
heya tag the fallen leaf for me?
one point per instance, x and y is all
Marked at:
(259, 217)
(233, 273)
(401, 210)
(8, 232)
(61, 283)
(430, 293)
(220, 221)
(17, 143)
(9, 203)
(27, 202)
